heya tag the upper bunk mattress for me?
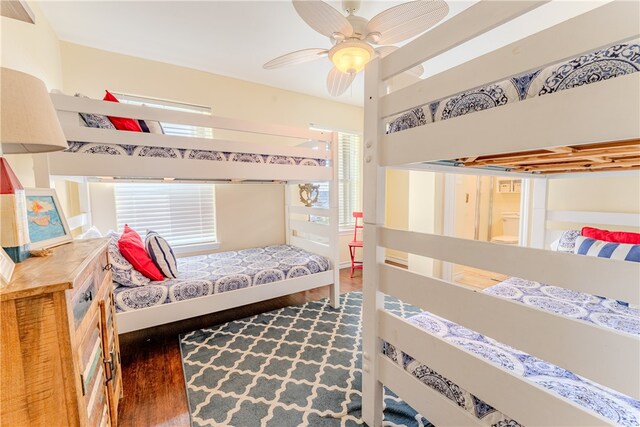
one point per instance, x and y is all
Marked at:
(203, 275)
(607, 313)
(180, 153)
(614, 61)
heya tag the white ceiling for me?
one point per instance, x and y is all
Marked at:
(234, 38)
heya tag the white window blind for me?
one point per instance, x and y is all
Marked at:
(184, 214)
(172, 128)
(349, 177)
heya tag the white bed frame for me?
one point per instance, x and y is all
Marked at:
(320, 238)
(606, 111)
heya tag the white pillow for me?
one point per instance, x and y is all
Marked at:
(566, 242)
(92, 233)
(154, 127)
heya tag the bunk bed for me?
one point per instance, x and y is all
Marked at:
(559, 342)
(253, 152)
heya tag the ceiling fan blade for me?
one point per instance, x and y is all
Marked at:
(383, 51)
(294, 58)
(338, 82)
(322, 17)
(407, 20)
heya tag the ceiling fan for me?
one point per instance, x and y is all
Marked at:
(352, 36)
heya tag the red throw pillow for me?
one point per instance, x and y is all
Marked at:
(132, 249)
(119, 122)
(611, 236)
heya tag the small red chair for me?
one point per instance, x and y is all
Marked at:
(355, 243)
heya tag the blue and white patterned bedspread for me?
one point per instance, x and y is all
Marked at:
(203, 275)
(182, 153)
(621, 409)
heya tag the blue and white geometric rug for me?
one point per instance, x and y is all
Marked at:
(297, 366)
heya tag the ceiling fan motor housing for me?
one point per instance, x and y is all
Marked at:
(351, 6)
(359, 25)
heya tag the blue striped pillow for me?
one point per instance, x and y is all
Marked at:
(602, 249)
(161, 254)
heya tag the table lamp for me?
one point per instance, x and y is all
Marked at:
(28, 124)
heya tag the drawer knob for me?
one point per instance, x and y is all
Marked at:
(107, 267)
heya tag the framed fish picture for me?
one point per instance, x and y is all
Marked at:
(47, 225)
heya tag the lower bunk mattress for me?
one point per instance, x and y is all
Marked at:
(621, 409)
(204, 275)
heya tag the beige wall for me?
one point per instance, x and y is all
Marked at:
(91, 71)
(601, 193)
(425, 215)
(397, 207)
(33, 49)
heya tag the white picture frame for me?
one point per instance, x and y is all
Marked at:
(46, 221)
(6, 267)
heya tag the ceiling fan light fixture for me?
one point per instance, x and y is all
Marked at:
(350, 57)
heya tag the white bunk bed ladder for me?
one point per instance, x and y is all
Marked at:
(569, 117)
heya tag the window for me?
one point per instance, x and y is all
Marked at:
(184, 214)
(172, 128)
(349, 177)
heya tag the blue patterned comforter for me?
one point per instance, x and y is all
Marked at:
(620, 409)
(181, 153)
(590, 68)
(203, 275)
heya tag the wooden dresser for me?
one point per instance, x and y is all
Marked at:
(60, 358)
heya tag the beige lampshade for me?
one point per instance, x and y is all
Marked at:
(29, 123)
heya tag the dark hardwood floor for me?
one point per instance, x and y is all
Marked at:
(154, 391)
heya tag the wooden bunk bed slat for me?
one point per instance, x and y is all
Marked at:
(599, 155)
(610, 278)
(534, 52)
(569, 117)
(468, 24)
(495, 385)
(572, 344)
